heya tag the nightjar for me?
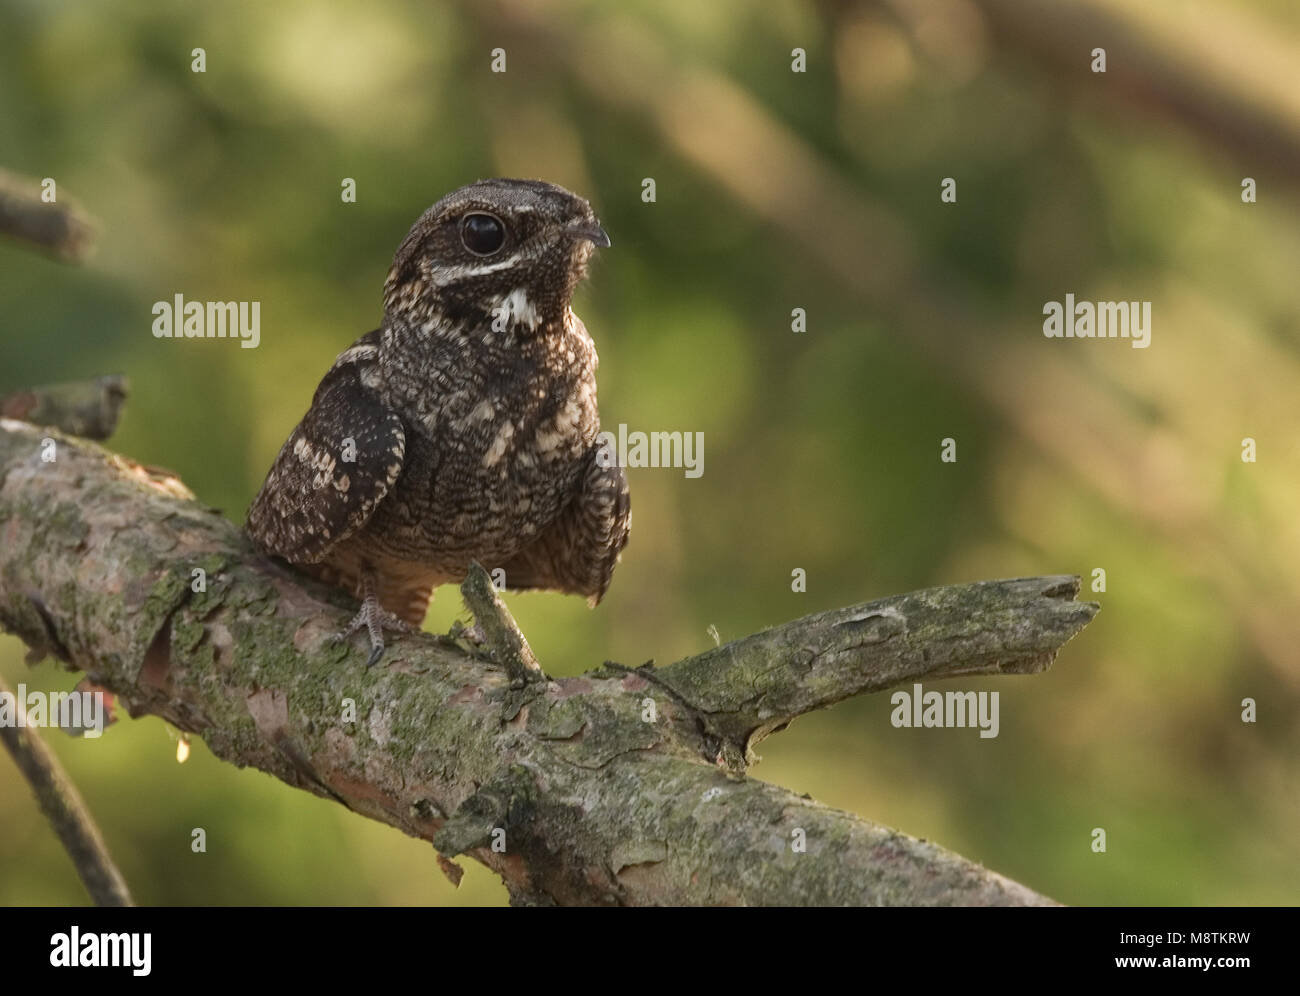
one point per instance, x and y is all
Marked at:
(465, 427)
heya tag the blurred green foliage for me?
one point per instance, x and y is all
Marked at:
(821, 449)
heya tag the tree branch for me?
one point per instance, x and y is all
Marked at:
(87, 408)
(753, 687)
(574, 790)
(499, 627)
(1159, 61)
(62, 805)
(61, 229)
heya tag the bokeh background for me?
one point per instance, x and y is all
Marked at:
(775, 190)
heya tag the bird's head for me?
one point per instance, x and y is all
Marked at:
(519, 245)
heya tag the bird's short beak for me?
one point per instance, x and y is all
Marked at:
(592, 232)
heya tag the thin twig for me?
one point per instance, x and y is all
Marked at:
(63, 807)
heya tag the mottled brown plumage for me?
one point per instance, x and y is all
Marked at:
(464, 428)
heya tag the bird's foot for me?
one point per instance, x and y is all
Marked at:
(375, 619)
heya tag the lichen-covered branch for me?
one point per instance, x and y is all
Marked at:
(752, 687)
(619, 786)
(499, 628)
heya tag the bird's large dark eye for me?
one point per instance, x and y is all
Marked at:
(483, 234)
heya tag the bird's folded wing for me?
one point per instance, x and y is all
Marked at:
(336, 467)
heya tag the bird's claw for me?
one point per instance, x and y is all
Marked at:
(374, 619)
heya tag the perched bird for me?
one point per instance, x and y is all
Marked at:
(465, 427)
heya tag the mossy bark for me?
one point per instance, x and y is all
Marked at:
(572, 789)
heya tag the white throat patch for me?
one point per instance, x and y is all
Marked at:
(515, 308)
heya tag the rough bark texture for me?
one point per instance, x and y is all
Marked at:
(594, 804)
